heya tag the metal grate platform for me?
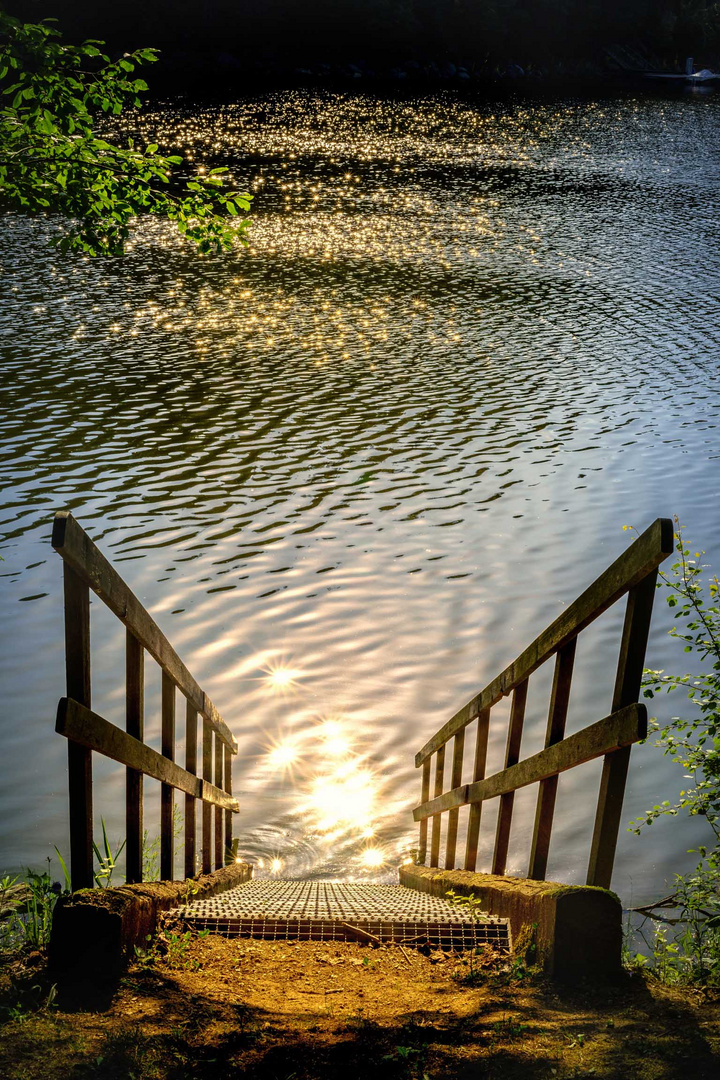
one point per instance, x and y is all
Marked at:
(333, 911)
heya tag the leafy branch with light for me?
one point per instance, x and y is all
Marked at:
(55, 156)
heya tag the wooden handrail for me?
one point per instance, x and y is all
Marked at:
(632, 574)
(622, 728)
(86, 568)
(76, 548)
(640, 559)
(89, 729)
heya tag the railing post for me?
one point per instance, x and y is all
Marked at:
(191, 718)
(631, 661)
(134, 725)
(206, 807)
(437, 818)
(424, 796)
(77, 672)
(557, 715)
(512, 756)
(219, 860)
(228, 813)
(473, 833)
(454, 814)
(167, 838)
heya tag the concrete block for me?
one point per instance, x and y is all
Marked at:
(95, 931)
(578, 928)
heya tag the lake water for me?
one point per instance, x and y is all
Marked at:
(353, 470)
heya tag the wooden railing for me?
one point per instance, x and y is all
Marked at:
(86, 568)
(634, 574)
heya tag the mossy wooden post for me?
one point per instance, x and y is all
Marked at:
(437, 820)
(167, 838)
(191, 726)
(512, 756)
(207, 809)
(424, 796)
(547, 793)
(473, 833)
(631, 662)
(77, 672)
(219, 783)
(134, 725)
(455, 781)
(227, 756)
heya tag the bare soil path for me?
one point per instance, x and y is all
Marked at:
(217, 1008)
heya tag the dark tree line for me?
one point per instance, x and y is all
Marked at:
(525, 31)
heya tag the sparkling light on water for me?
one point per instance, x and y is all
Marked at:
(353, 470)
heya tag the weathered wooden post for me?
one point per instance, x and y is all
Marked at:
(219, 783)
(167, 837)
(134, 725)
(228, 813)
(512, 756)
(631, 662)
(191, 725)
(77, 673)
(207, 809)
(473, 833)
(547, 793)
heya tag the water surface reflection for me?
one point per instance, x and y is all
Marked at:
(352, 471)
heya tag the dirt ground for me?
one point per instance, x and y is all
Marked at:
(217, 1008)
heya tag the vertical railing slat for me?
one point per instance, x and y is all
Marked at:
(191, 726)
(437, 818)
(512, 756)
(631, 662)
(228, 813)
(473, 833)
(167, 839)
(454, 814)
(77, 672)
(547, 793)
(424, 797)
(219, 781)
(206, 807)
(135, 726)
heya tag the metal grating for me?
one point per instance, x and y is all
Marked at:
(332, 911)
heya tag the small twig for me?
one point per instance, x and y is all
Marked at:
(667, 902)
(362, 935)
(326, 992)
(406, 954)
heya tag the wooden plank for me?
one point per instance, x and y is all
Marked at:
(135, 726)
(631, 661)
(639, 560)
(512, 755)
(219, 783)
(206, 809)
(424, 796)
(191, 722)
(473, 833)
(228, 817)
(87, 728)
(621, 729)
(557, 716)
(436, 825)
(77, 675)
(455, 781)
(80, 553)
(217, 797)
(167, 838)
